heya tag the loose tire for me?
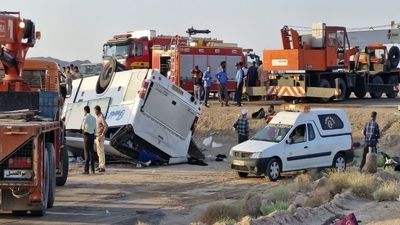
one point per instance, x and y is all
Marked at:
(273, 170)
(339, 163)
(60, 181)
(394, 57)
(376, 94)
(52, 174)
(243, 174)
(42, 211)
(395, 82)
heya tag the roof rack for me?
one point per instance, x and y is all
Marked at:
(295, 107)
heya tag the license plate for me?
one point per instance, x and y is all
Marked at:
(238, 162)
(17, 174)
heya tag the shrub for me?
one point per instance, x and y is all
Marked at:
(302, 182)
(380, 161)
(320, 196)
(252, 204)
(363, 185)
(280, 193)
(268, 207)
(389, 191)
(218, 212)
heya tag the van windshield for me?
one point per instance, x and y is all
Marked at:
(272, 133)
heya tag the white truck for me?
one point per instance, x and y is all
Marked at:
(143, 110)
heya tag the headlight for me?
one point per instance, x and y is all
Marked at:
(256, 155)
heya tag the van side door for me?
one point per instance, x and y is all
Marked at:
(296, 146)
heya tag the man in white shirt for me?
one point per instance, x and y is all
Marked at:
(101, 130)
(88, 131)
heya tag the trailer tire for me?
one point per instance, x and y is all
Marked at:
(60, 181)
(52, 174)
(325, 84)
(376, 94)
(395, 81)
(42, 211)
(107, 74)
(343, 90)
(394, 57)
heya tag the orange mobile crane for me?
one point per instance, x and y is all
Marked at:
(32, 157)
(323, 66)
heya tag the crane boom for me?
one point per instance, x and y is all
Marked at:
(17, 35)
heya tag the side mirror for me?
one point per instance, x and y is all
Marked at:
(289, 141)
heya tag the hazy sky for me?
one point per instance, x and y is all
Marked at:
(77, 29)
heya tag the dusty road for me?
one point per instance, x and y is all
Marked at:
(160, 195)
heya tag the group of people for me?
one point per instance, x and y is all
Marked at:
(202, 81)
(70, 73)
(94, 130)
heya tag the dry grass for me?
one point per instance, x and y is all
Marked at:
(340, 181)
(388, 191)
(363, 185)
(219, 212)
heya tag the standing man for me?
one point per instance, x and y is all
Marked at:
(222, 79)
(239, 84)
(197, 79)
(252, 75)
(101, 130)
(372, 134)
(242, 127)
(68, 79)
(77, 74)
(207, 85)
(88, 130)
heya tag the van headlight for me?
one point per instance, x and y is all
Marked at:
(231, 152)
(256, 155)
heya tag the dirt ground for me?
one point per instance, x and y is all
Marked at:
(177, 194)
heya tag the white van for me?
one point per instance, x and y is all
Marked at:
(143, 109)
(297, 138)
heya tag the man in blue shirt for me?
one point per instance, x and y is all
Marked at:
(207, 84)
(239, 83)
(372, 134)
(222, 79)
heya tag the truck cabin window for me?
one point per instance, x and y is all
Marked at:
(137, 50)
(272, 133)
(116, 51)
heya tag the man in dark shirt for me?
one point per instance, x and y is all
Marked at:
(372, 134)
(252, 75)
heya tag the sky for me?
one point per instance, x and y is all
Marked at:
(77, 29)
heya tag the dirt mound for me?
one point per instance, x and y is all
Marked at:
(324, 214)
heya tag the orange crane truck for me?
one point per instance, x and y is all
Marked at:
(32, 157)
(322, 66)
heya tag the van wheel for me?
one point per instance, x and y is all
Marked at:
(243, 174)
(273, 169)
(339, 163)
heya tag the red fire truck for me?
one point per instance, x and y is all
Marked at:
(176, 56)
